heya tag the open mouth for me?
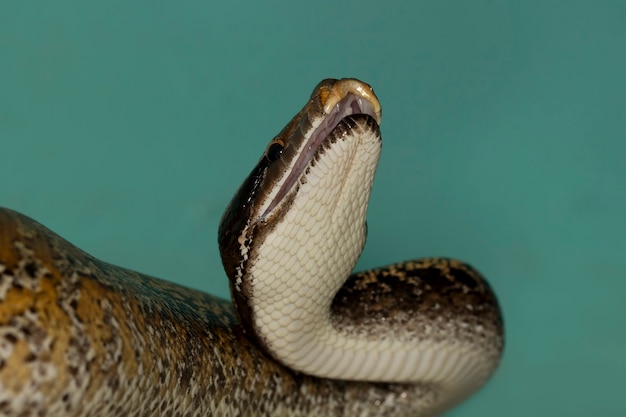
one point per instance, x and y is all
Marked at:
(352, 104)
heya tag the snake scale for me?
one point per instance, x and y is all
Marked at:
(302, 337)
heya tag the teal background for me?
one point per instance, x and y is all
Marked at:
(127, 126)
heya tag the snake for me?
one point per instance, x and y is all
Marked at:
(302, 335)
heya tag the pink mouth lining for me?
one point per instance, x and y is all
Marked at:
(349, 105)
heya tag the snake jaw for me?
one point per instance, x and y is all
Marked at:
(363, 97)
(329, 105)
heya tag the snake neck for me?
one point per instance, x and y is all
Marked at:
(302, 262)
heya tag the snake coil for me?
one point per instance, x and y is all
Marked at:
(80, 337)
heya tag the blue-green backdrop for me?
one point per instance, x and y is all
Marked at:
(126, 127)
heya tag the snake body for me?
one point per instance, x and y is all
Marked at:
(80, 337)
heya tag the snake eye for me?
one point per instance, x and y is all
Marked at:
(274, 151)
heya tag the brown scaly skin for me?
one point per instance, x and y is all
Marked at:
(80, 337)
